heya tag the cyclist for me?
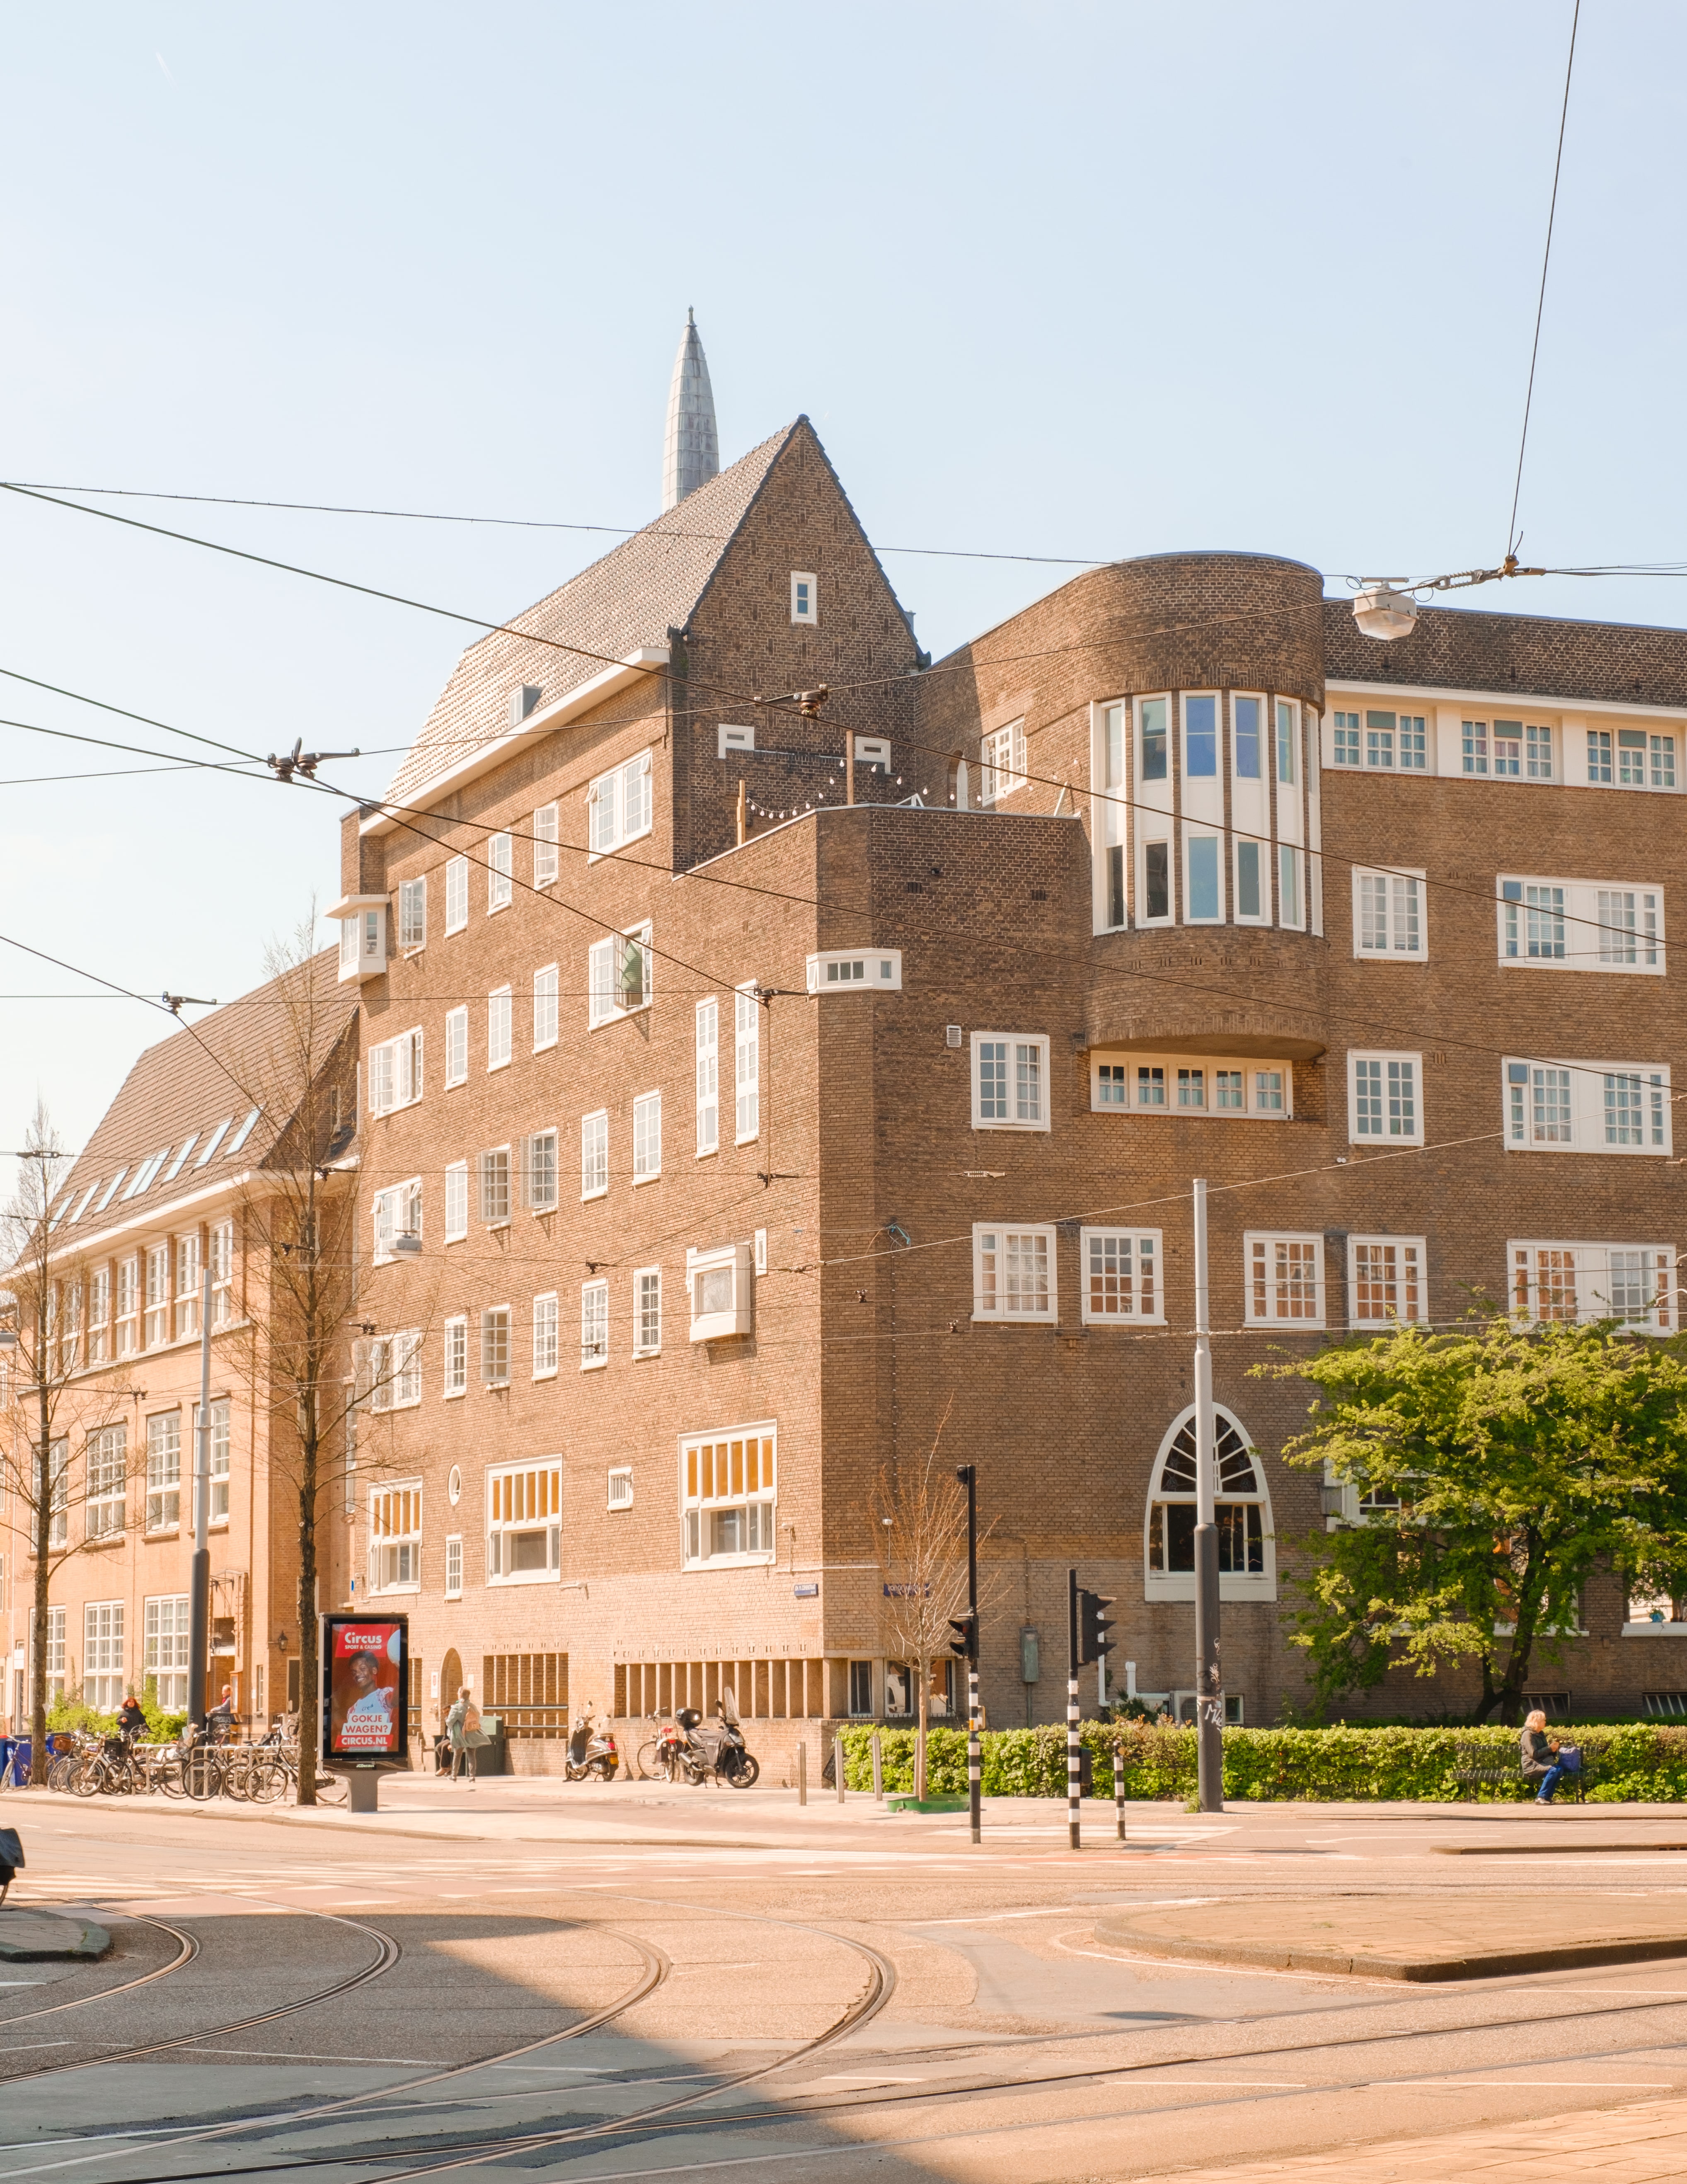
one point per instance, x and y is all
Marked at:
(131, 1719)
(220, 1721)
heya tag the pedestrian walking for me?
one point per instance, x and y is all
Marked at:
(1539, 1755)
(463, 1727)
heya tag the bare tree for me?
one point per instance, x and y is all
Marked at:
(919, 1521)
(51, 1396)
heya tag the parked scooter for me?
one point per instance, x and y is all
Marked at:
(717, 1749)
(592, 1750)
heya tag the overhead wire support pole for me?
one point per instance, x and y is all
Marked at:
(1074, 1755)
(1209, 1681)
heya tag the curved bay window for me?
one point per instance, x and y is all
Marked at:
(1247, 1559)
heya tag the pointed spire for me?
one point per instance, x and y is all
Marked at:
(693, 454)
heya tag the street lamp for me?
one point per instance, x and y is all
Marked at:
(1384, 611)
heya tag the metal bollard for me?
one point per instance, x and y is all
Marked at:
(802, 1772)
(878, 1767)
(1119, 1787)
(837, 1764)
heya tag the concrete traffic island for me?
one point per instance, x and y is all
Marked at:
(1466, 1934)
(27, 1935)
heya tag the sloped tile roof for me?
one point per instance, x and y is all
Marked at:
(643, 587)
(229, 1062)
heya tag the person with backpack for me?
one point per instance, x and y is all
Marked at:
(463, 1727)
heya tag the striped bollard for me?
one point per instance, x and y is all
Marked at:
(1119, 1786)
(1074, 1788)
(975, 1758)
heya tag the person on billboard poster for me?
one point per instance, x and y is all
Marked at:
(365, 1689)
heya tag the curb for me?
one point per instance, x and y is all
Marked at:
(1546, 1850)
(1499, 1964)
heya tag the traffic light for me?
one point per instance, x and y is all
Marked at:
(965, 1643)
(1093, 1627)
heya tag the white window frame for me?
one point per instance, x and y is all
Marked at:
(1121, 1080)
(453, 1565)
(547, 1008)
(497, 1187)
(647, 1312)
(545, 1335)
(618, 1487)
(491, 1316)
(620, 806)
(163, 1472)
(647, 1138)
(1016, 1044)
(456, 1369)
(395, 1074)
(1588, 941)
(394, 1371)
(1392, 901)
(219, 1240)
(500, 1027)
(747, 1064)
(707, 1080)
(1291, 882)
(996, 1241)
(720, 1308)
(855, 971)
(398, 1212)
(456, 1047)
(1400, 1077)
(103, 1678)
(500, 873)
(523, 1499)
(165, 1619)
(1587, 1276)
(1408, 1276)
(728, 739)
(547, 845)
(805, 602)
(1233, 1584)
(413, 915)
(605, 963)
(594, 1324)
(1586, 1083)
(699, 1453)
(457, 1202)
(541, 1171)
(1270, 1316)
(395, 1532)
(106, 1503)
(1001, 762)
(594, 1154)
(456, 894)
(1134, 1260)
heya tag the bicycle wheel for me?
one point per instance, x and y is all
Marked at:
(199, 1773)
(267, 1781)
(85, 1780)
(61, 1772)
(236, 1777)
(330, 1790)
(650, 1767)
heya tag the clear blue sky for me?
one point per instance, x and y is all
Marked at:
(1050, 279)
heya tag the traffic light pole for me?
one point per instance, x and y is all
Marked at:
(1209, 1681)
(1074, 1755)
(968, 1476)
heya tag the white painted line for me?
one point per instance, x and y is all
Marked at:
(1539, 2085)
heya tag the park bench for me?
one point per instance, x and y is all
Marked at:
(1479, 1767)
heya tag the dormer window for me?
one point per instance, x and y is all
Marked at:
(522, 701)
(805, 598)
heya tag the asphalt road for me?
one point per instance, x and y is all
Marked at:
(577, 1981)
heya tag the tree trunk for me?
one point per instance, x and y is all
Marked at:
(923, 1670)
(309, 1662)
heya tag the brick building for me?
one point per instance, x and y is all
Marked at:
(721, 1139)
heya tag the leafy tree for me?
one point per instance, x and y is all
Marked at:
(1495, 1469)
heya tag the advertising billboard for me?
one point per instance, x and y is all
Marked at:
(366, 1684)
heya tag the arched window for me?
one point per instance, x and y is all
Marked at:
(1247, 1556)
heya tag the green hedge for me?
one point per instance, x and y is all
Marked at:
(1635, 1762)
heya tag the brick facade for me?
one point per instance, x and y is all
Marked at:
(864, 1177)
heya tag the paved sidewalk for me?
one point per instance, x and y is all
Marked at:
(1646, 2144)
